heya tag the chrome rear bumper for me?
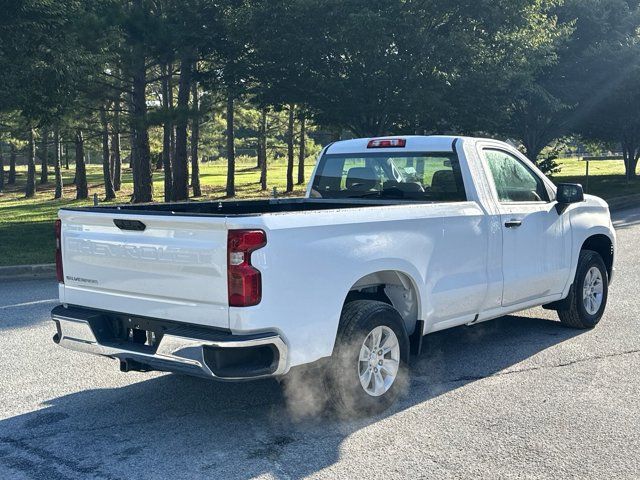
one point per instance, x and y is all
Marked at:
(192, 351)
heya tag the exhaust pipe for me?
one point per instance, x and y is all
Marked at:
(128, 365)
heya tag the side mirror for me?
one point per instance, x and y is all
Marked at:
(567, 194)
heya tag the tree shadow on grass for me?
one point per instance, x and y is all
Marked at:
(175, 426)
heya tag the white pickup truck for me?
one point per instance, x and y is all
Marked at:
(396, 238)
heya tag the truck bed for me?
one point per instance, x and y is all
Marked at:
(166, 261)
(228, 208)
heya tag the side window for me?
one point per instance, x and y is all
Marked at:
(515, 182)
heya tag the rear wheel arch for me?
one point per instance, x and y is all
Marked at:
(394, 287)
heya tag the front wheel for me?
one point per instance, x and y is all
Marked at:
(589, 292)
(368, 369)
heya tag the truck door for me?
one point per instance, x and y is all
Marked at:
(535, 255)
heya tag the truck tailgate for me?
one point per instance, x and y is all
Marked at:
(161, 265)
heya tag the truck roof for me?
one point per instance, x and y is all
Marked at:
(415, 143)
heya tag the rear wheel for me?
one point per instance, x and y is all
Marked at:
(589, 292)
(368, 370)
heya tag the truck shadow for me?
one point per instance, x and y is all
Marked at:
(178, 426)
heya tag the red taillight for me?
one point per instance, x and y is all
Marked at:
(387, 143)
(244, 280)
(59, 271)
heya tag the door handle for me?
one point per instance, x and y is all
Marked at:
(513, 223)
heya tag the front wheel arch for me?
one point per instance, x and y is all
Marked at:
(572, 311)
(602, 245)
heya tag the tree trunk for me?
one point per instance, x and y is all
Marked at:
(82, 191)
(260, 141)
(302, 149)
(132, 149)
(142, 174)
(231, 152)
(634, 154)
(109, 193)
(630, 154)
(290, 148)
(172, 145)
(44, 154)
(195, 139)
(12, 166)
(262, 150)
(116, 172)
(533, 147)
(534, 154)
(75, 172)
(66, 156)
(112, 158)
(627, 163)
(172, 127)
(259, 154)
(166, 134)
(181, 165)
(1, 172)
(30, 189)
(56, 163)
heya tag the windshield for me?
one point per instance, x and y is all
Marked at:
(429, 177)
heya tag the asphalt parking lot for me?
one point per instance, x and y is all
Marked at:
(518, 397)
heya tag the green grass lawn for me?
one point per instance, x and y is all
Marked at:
(606, 178)
(26, 225)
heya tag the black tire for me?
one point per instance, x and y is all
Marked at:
(345, 392)
(574, 314)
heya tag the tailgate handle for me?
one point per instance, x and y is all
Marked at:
(135, 225)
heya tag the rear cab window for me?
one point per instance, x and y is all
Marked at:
(417, 177)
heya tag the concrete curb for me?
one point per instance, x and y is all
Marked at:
(46, 270)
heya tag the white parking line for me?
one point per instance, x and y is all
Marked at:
(26, 304)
